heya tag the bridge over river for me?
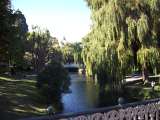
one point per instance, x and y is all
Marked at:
(74, 67)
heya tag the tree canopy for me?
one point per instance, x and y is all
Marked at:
(72, 52)
(13, 32)
(124, 34)
(5, 14)
(39, 44)
(17, 39)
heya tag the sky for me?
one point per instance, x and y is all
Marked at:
(63, 18)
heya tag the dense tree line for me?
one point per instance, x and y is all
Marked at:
(13, 32)
(125, 36)
(35, 51)
(20, 48)
(5, 28)
(18, 38)
(72, 52)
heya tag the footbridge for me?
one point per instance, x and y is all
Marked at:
(72, 67)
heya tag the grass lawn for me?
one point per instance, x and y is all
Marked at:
(19, 98)
(140, 91)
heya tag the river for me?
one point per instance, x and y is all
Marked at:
(83, 96)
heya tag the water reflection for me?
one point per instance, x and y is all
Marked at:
(84, 95)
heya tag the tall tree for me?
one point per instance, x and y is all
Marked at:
(67, 51)
(39, 44)
(77, 51)
(55, 52)
(5, 13)
(18, 38)
(72, 52)
(124, 34)
(12, 34)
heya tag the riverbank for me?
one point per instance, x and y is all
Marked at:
(19, 98)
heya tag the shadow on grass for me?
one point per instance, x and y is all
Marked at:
(19, 99)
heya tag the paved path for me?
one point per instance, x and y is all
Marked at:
(139, 77)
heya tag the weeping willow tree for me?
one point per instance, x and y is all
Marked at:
(77, 49)
(124, 34)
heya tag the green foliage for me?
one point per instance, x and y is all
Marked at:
(67, 51)
(124, 34)
(145, 94)
(143, 29)
(149, 55)
(18, 39)
(5, 29)
(72, 52)
(53, 81)
(12, 34)
(39, 45)
(77, 52)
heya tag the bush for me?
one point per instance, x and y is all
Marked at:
(4, 68)
(53, 81)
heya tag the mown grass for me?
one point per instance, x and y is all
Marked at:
(19, 98)
(140, 91)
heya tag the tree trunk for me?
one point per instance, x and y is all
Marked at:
(144, 73)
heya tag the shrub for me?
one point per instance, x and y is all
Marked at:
(53, 81)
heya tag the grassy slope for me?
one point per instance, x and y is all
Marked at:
(141, 91)
(19, 99)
